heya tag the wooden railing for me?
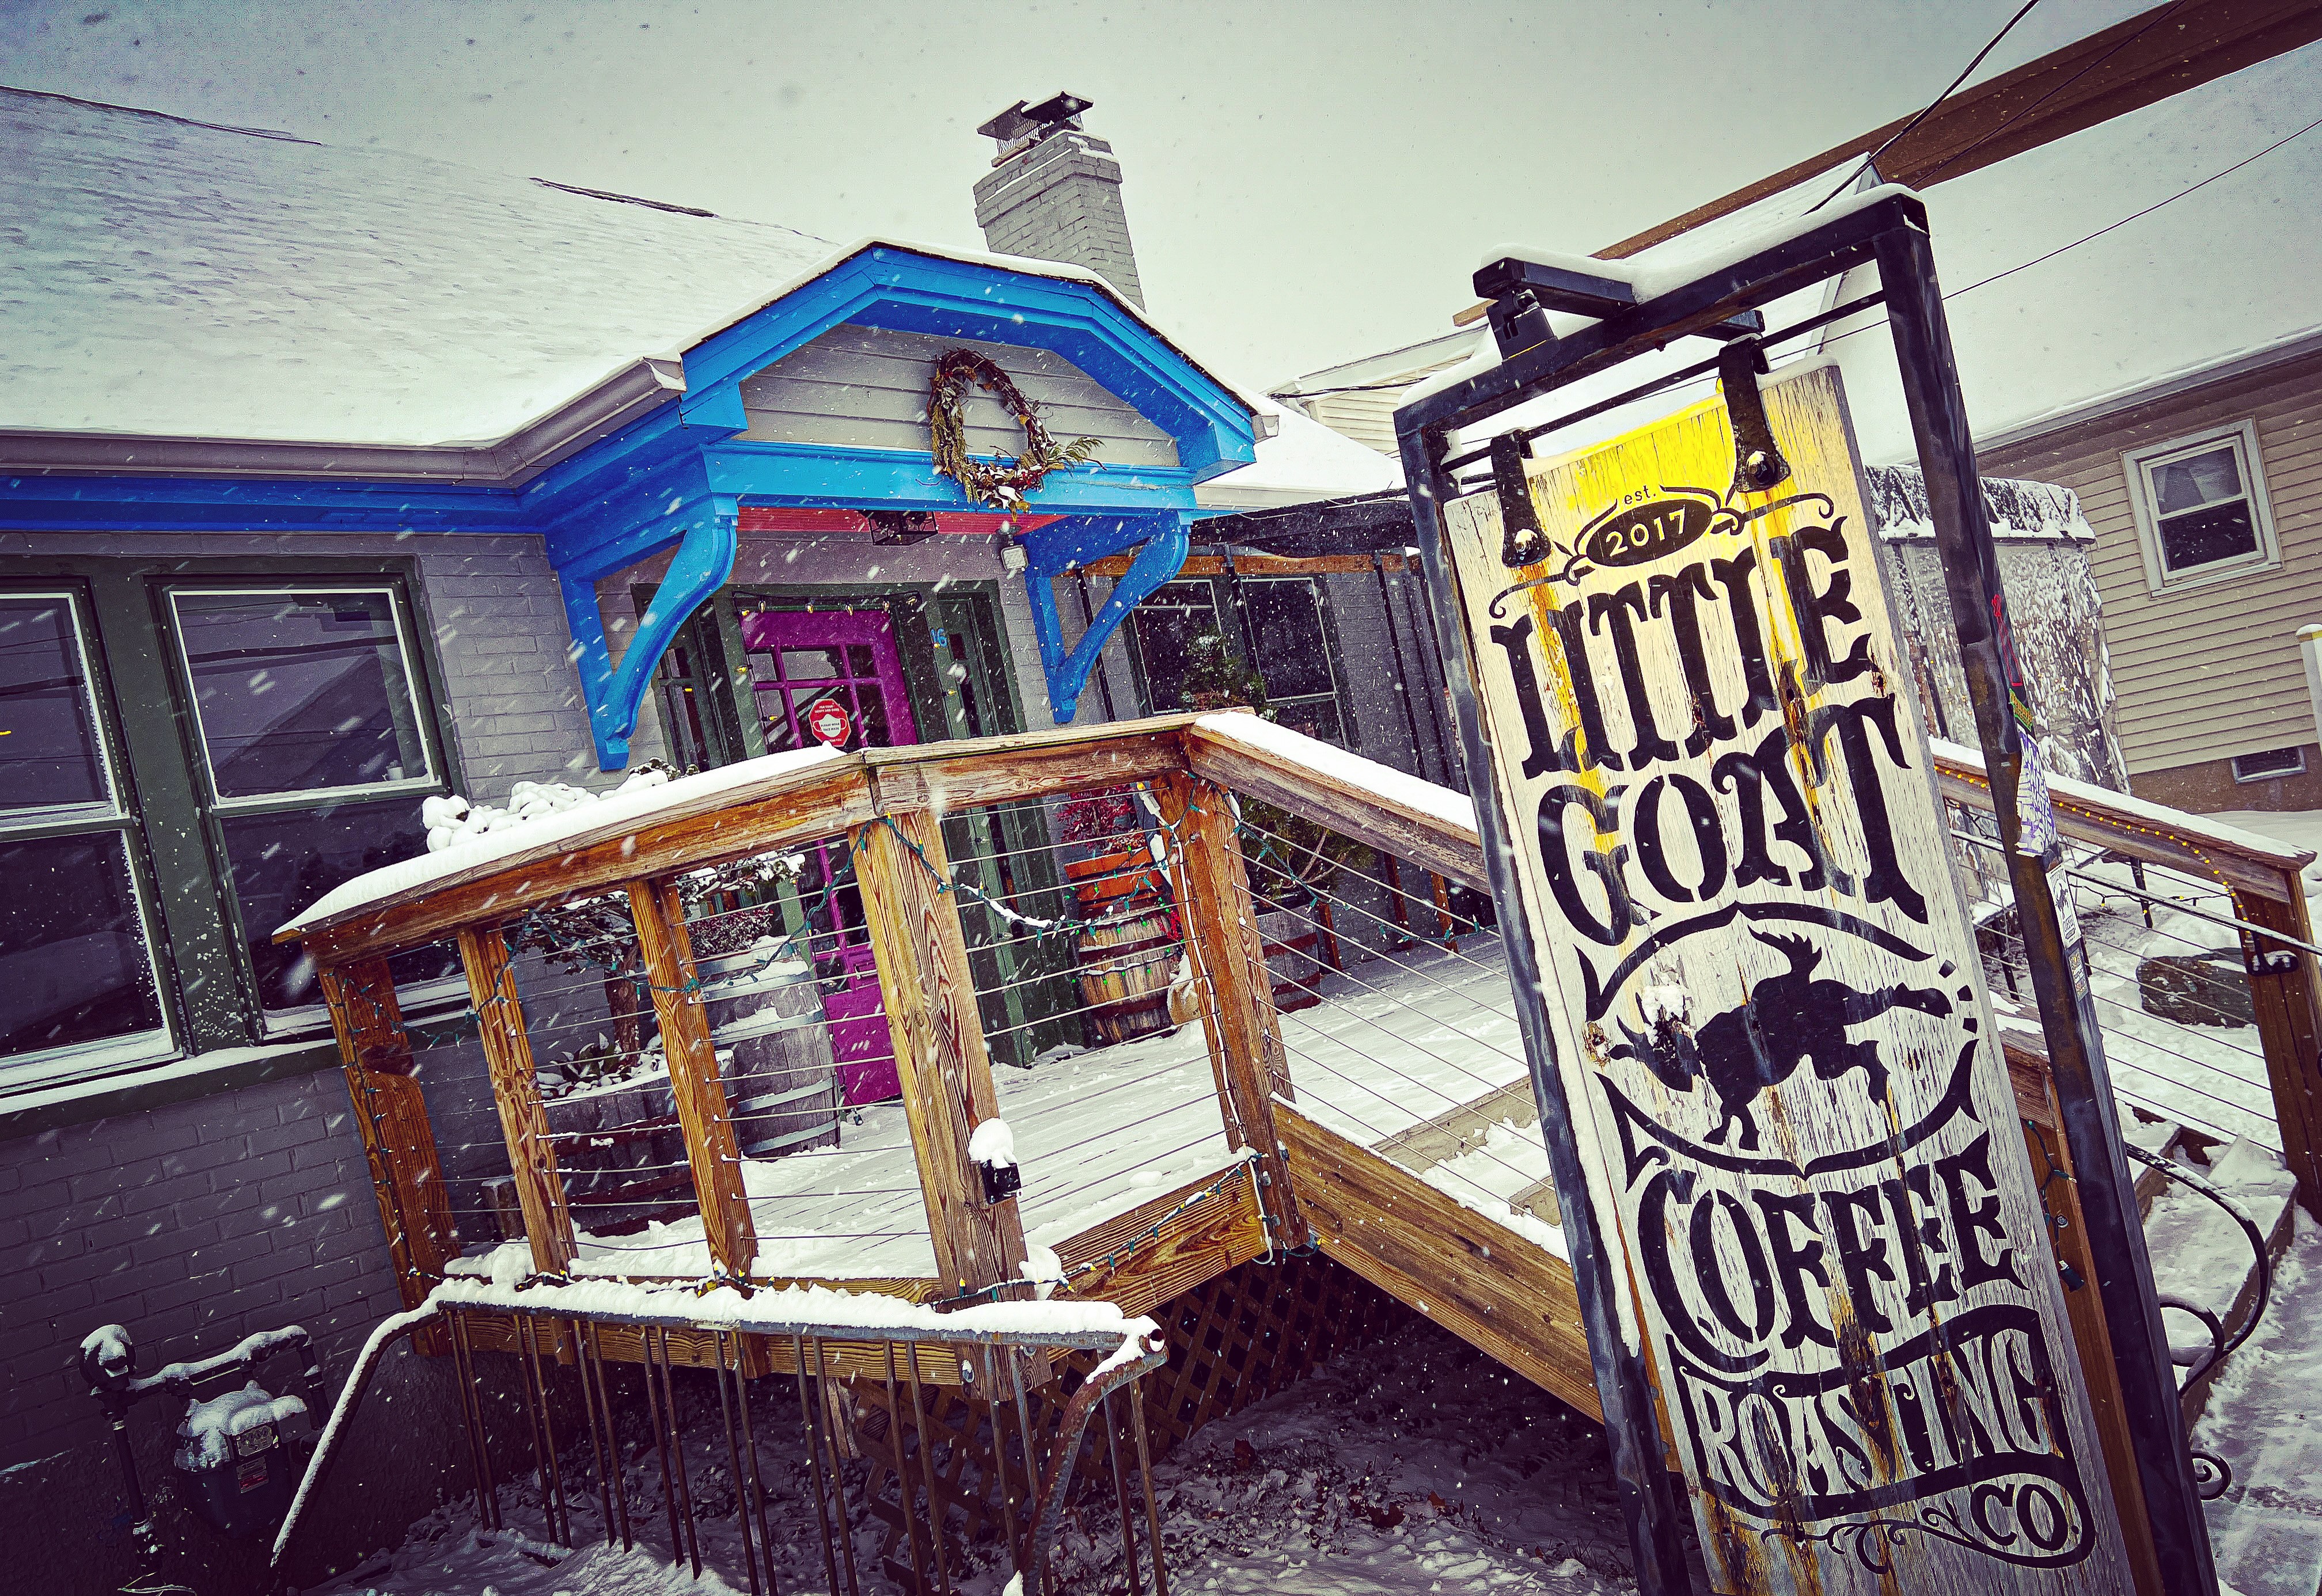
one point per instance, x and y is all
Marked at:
(886, 809)
(2266, 881)
(887, 806)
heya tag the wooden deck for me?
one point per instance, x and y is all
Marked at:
(1390, 1125)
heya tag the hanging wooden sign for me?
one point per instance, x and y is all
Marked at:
(1769, 1011)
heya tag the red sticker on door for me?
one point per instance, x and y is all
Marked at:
(830, 723)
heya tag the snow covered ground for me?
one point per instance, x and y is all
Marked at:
(2264, 1417)
(1375, 1476)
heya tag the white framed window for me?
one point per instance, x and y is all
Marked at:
(80, 984)
(314, 751)
(2201, 511)
(301, 692)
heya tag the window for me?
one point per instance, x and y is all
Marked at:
(2201, 508)
(1166, 625)
(1283, 634)
(1283, 617)
(79, 979)
(187, 759)
(313, 756)
(2269, 765)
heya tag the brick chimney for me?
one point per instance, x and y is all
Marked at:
(1053, 194)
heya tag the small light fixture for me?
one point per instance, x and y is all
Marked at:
(900, 526)
(1013, 559)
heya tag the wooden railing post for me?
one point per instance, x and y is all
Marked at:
(398, 1143)
(667, 952)
(1236, 991)
(516, 1089)
(938, 1040)
(2289, 1011)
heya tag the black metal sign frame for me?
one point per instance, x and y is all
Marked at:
(1891, 233)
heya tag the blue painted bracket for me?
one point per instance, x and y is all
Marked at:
(1059, 546)
(703, 562)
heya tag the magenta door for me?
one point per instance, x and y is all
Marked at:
(799, 660)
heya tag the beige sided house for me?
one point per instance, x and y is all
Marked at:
(2206, 495)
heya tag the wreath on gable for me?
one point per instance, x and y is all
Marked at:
(1001, 482)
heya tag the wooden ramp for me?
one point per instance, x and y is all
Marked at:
(1496, 1289)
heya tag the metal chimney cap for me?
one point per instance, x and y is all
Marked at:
(1061, 110)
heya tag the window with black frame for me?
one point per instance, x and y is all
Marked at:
(1291, 647)
(313, 753)
(1281, 630)
(80, 987)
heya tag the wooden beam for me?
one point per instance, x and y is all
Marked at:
(1428, 841)
(366, 1016)
(2289, 1011)
(399, 1144)
(1116, 566)
(1203, 1242)
(1480, 1279)
(1236, 989)
(516, 1089)
(737, 816)
(997, 769)
(2133, 64)
(2084, 1308)
(666, 952)
(2180, 843)
(938, 1040)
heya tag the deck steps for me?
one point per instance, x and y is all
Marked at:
(2265, 1413)
(1495, 1288)
(2201, 1255)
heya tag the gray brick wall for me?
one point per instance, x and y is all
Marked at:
(193, 1225)
(197, 1223)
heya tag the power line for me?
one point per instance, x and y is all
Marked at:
(1872, 160)
(2133, 215)
(1679, 380)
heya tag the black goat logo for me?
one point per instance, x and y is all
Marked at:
(1787, 1019)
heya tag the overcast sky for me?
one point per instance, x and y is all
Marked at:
(1305, 183)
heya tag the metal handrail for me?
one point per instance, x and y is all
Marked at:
(2268, 931)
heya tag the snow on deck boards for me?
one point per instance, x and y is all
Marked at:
(1398, 1039)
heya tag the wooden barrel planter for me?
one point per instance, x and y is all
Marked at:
(1128, 957)
(615, 1144)
(773, 1052)
(1126, 965)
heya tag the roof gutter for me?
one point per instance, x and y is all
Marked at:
(625, 395)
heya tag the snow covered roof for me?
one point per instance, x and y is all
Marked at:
(2016, 509)
(1302, 461)
(176, 279)
(173, 278)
